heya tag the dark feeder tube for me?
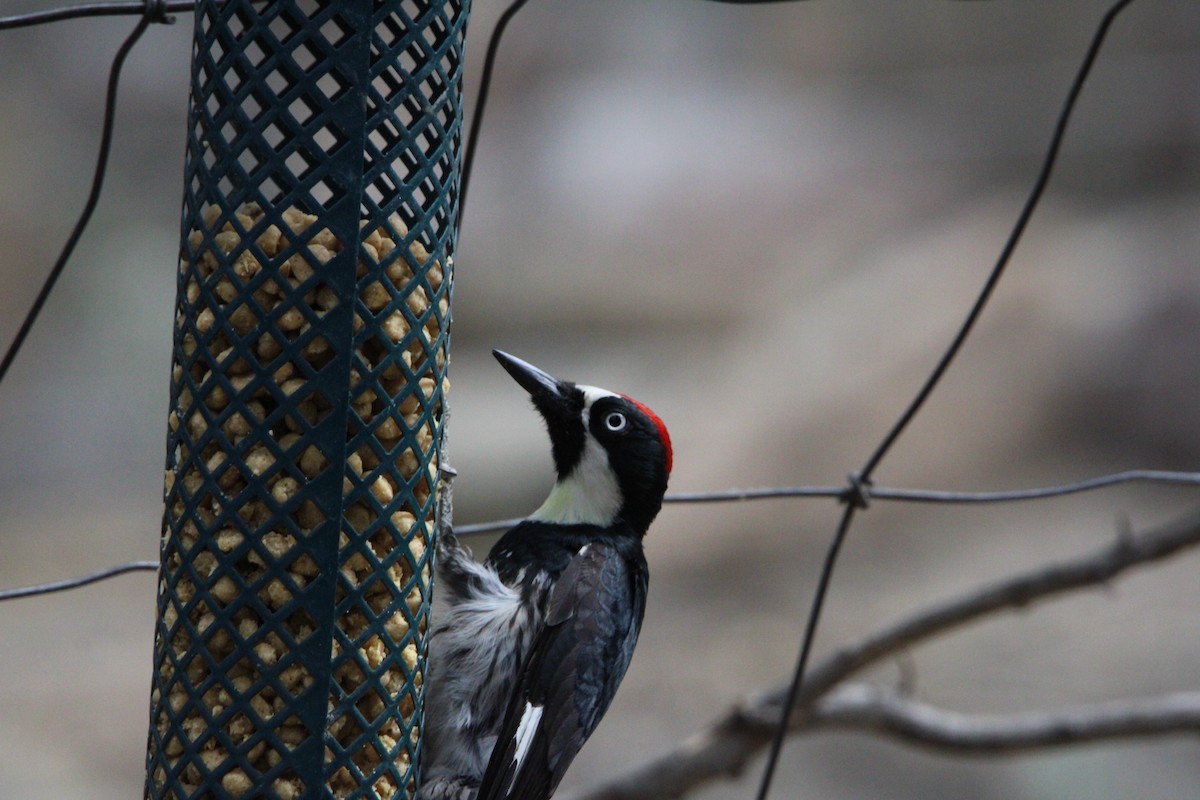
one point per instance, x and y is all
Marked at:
(309, 366)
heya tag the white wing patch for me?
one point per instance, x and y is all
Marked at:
(526, 728)
(590, 494)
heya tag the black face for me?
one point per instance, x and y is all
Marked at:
(636, 453)
(563, 413)
(635, 440)
(560, 405)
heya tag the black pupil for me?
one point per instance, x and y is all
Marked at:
(616, 421)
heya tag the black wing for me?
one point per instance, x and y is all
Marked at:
(570, 675)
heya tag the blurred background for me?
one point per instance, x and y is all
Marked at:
(765, 223)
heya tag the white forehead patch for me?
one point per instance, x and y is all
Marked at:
(591, 394)
(590, 494)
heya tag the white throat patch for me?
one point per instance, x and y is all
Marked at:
(590, 494)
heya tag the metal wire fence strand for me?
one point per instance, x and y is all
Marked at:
(151, 14)
(862, 478)
(1162, 477)
(485, 85)
(810, 630)
(884, 493)
(764, 493)
(1010, 246)
(164, 8)
(75, 583)
(895, 494)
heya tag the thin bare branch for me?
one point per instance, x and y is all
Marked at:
(872, 709)
(888, 713)
(727, 746)
(1017, 591)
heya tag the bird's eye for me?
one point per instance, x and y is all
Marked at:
(615, 422)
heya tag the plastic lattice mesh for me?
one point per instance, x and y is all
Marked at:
(310, 351)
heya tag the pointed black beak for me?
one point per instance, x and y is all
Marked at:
(561, 405)
(532, 379)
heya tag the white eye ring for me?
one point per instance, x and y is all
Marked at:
(615, 421)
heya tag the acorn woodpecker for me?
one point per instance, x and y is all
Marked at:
(528, 648)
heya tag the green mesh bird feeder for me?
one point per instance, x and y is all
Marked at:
(310, 344)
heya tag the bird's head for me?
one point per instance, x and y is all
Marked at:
(611, 453)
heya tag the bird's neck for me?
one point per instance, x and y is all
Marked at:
(588, 495)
